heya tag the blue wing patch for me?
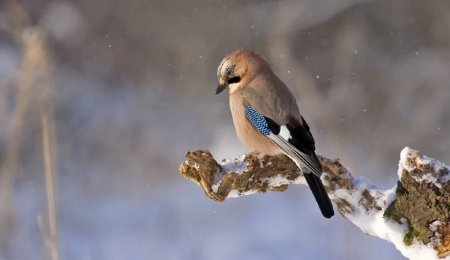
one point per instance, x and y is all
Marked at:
(257, 120)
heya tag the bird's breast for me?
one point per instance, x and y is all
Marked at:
(246, 132)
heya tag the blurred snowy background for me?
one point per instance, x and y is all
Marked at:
(127, 88)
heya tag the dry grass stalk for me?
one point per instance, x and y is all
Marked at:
(35, 70)
(49, 181)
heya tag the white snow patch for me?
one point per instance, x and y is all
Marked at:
(428, 178)
(403, 164)
(368, 220)
(281, 180)
(438, 166)
(217, 180)
(434, 226)
(215, 186)
(418, 251)
(406, 156)
(276, 181)
(236, 193)
(324, 180)
(390, 196)
(446, 178)
(237, 166)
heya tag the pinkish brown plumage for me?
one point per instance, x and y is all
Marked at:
(258, 85)
(267, 118)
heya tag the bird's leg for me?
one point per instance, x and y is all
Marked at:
(261, 159)
(260, 156)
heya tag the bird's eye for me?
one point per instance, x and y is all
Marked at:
(229, 72)
(234, 80)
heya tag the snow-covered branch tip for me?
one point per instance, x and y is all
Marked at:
(414, 215)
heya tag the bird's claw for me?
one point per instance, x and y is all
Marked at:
(261, 160)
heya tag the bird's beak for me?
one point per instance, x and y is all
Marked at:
(221, 87)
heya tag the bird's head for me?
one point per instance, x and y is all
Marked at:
(239, 68)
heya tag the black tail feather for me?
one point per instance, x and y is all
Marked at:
(321, 196)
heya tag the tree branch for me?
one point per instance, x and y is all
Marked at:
(414, 215)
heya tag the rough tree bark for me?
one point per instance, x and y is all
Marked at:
(414, 215)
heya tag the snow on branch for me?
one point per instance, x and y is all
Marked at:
(414, 215)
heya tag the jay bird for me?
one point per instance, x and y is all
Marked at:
(267, 118)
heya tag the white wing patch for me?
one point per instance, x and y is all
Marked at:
(284, 132)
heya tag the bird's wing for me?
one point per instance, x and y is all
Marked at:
(296, 141)
(293, 138)
(272, 99)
